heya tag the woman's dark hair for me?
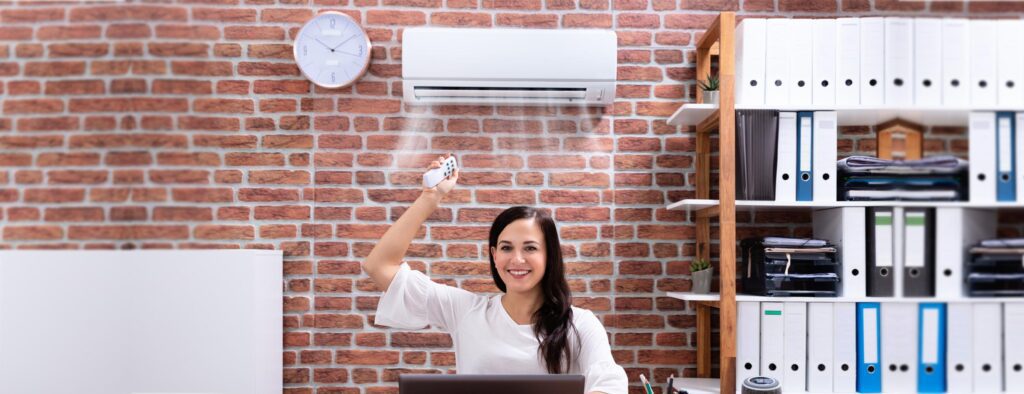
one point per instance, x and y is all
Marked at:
(553, 320)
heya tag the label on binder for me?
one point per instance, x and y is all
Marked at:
(870, 328)
(930, 336)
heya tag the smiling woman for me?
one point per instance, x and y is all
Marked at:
(530, 329)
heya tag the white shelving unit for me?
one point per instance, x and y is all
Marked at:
(748, 204)
(752, 298)
(691, 114)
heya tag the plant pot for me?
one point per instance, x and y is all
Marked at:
(702, 281)
(710, 97)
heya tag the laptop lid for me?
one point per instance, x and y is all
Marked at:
(490, 384)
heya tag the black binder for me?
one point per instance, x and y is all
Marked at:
(880, 256)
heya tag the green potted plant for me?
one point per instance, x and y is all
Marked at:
(709, 89)
(700, 271)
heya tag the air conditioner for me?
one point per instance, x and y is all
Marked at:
(508, 66)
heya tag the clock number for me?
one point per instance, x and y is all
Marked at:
(332, 77)
(332, 23)
(305, 50)
(360, 49)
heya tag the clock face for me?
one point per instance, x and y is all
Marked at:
(332, 50)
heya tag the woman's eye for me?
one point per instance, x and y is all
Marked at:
(505, 248)
(531, 248)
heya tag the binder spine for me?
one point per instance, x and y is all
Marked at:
(931, 377)
(805, 156)
(1006, 183)
(869, 348)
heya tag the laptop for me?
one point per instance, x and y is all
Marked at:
(490, 384)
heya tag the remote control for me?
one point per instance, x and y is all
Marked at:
(433, 177)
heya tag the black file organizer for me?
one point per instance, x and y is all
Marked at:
(995, 274)
(812, 271)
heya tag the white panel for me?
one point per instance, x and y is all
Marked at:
(748, 343)
(983, 65)
(141, 321)
(777, 60)
(899, 61)
(927, 61)
(826, 129)
(982, 156)
(801, 52)
(959, 345)
(785, 169)
(1010, 68)
(750, 61)
(848, 61)
(772, 347)
(845, 361)
(899, 347)
(988, 347)
(795, 341)
(824, 66)
(820, 344)
(956, 75)
(872, 61)
(1013, 330)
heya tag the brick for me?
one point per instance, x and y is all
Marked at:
(639, 21)
(188, 32)
(69, 32)
(266, 69)
(291, 15)
(62, 123)
(238, 15)
(200, 68)
(34, 233)
(234, 106)
(401, 18)
(461, 19)
(128, 31)
(528, 20)
(181, 86)
(179, 49)
(90, 86)
(31, 15)
(809, 5)
(169, 232)
(128, 12)
(369, 106)
(270, 51)
(33, 106)
(367, 357)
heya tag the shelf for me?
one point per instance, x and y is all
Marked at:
(694, 297)
(690, 114)
(696, 385)
(752, 298)
(696, 204)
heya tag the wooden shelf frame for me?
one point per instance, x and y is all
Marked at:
(718, 40)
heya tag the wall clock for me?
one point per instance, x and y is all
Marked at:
(332, 50)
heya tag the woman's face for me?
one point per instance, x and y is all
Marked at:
(520, 256)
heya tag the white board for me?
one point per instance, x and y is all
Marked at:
(148, 321)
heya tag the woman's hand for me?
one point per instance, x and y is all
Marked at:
(445, 185)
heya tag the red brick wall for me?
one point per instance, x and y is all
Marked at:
(186, 125)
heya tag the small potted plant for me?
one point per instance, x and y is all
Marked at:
(709, 89)
(700, 271)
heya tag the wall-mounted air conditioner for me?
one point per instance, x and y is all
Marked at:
(508, 66)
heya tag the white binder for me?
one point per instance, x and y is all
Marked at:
(983, 58)
(845, 228)
(772, 347)
(1020, 155)
(826, 125)
(748, 341)
(1013, 343)
(801, 59)
(988, 347)
(959, 345)
(981, 132)
(847, 61)
(795, 342)
(785, 158)
(927, 62)
(776, 67)
(956, 75)
(899, 61)
(872, 61)
(820, 346)
(824, 64)
(750, 61)
(899, 347)
(961, 229)
(844, 371)
(1010, 63)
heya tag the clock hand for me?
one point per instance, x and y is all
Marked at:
(322, 43)
(347, 53)
(343, 42)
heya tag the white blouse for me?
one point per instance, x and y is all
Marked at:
(487, 340)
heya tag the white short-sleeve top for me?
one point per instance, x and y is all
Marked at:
(487, 340)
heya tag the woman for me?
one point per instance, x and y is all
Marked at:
(530, 329)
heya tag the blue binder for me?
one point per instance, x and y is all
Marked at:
(805, 156)
(931, 347)
(869, 347)
(1006, 183)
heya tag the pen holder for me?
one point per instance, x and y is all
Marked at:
(702, 281)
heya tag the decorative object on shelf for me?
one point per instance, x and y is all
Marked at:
(332, 50)
(761, 385)
(899, 139)
(701, 272)
(709, 89)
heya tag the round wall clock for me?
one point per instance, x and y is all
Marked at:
(332, 50)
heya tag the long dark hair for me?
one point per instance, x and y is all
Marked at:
(553, 320)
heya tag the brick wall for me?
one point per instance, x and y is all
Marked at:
(187, 125)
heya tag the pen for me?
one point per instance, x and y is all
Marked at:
(647, 385)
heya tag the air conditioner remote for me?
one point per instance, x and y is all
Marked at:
(433, 177)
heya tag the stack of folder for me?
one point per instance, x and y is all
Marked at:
(790, 267)
(995, 268)
(755, 147)
(880, 61)
(938, 178)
